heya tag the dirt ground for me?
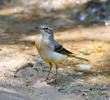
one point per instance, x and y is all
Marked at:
(17, 51)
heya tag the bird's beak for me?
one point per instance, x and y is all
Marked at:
(37, 27)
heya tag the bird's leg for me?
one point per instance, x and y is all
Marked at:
(47, 78)
(56, 73)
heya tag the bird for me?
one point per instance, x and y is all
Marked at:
(50, 50)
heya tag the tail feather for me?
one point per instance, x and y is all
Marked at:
(80, 58)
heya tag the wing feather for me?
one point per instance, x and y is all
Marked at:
(60, 49)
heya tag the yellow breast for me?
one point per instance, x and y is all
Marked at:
(47, 53)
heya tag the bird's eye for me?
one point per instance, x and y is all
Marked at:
(46, 28)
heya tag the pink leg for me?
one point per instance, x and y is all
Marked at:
(47, 78)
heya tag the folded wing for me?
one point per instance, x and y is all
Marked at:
(60, 49)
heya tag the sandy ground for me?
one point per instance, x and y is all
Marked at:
(17, 36)
(74, 84)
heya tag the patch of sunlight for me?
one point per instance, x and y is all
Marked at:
(77, 35)
(98, 79)
(60, 4)
(29, 38)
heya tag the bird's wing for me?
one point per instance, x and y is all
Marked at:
(60, 49)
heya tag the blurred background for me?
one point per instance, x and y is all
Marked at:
(60, 14)
(82, 26)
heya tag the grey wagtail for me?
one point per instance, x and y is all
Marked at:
(50, 50)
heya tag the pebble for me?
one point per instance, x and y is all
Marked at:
(49, 10)
(40, 60)
(16, 10)
(69, 59)
(84, 67)
(107, 23)
(83, 16)
(60, 69)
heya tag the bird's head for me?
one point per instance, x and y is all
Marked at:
(45, 30)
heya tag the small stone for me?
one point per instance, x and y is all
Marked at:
(69, 59)
(40, 60)
(60, 69)
(61, 90)
(69, 67)
(49, 10)
(86, 52)
(26, 47)
(16, 11)
(84, 67)
(83, 16)
(107, 23)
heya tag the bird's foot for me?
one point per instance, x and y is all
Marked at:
(54, 82)
(46, 80)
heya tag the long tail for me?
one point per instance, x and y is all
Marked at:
(80, 58)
